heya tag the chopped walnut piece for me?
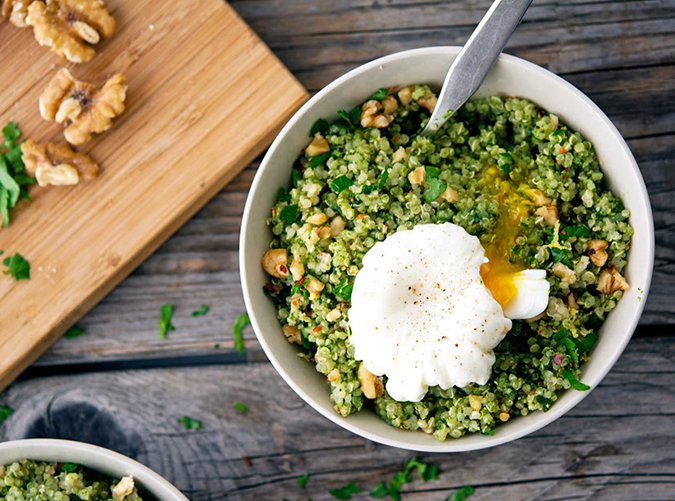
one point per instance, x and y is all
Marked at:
(57, 164)
(373, 115)
(334, 375)
(123, 488)
(428, 102)
(549, 213)
(274, 263)
(314, 286)
(297, 269)
(417, 176)
(450, 195)
(405, 96)
(16, 11)
(318, 146)
(87, 108)
(611, 281)
(68, 27)
(371, 385)
(336, 226)
(539, 198)
(389, 105)
(398, 155)
(333, 315)
(292, 334)
(564, 273)
(597, 252)
(317, 219)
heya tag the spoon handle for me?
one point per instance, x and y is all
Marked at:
(476, 58)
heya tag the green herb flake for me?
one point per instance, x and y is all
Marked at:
(574, 382)
(289, 214)
(571, 349)
(296, 175)
(344, 290)
(574, 231)
(587, 342)
(69, 467)
(426, 471)
(240, 407)
(560, 256)
(5, 412)
(319, 159)
(242, 321)
(302, 481)
(73, 332)
(340, 184)
(17, 267)
(380, 490)
(461, 494)
(432, 172)
(378, 95)
(190, 423)
(352, 117)
(319, 127)
(203, 310)
(165, 325)
(383, 179)
(436, 187)
(345, 492)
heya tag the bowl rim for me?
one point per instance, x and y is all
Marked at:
(94, 457)
(453, 445)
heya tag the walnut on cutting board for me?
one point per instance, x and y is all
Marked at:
(57, 164)
(16, 11)
(87, 108)
(70, 27)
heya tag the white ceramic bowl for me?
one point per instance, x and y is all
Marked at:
(96, 458)
(511, 77)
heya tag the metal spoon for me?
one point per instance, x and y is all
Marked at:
(476, 58)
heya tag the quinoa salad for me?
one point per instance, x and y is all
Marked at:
(507, 172)
(28, 480)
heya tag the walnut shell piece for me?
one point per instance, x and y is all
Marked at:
(16, 11)
(57, 164)
(70, 27)
(87, 108)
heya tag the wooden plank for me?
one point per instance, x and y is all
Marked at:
(199, 110)
(614, 445)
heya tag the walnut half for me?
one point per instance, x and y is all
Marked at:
(70, 27)
(57, 164)
(16, 11)
(87, 108)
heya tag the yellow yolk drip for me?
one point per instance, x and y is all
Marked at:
(498, 273)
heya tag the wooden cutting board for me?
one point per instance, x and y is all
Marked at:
(205, 96)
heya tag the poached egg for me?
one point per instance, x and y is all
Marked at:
(423, 315)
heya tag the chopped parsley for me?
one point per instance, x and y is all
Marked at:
(319, 127)
(69, 467)
(5, 412)
(319, 159)
(352, 118)
(574, 382)
(574, 231)
(378, 95)
(241, 322)
(461, 494)
(73, 332)
(393, 490)
(571, 349)
(560, 256)
(302, 481)
(240, 407)
(436, 187)
(345, 492)
(17, 267)
(426, 471)
(344, 290)
(13, 180)
(189, 423)
(203, 310)
(340, 184)
(165, 325)
(289, 214)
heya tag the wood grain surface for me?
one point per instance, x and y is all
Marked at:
(615, 446)
(199, 109)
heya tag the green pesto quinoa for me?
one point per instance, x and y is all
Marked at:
(506, 171)
(28, 480)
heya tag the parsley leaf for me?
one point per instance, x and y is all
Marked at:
(165, 325)
(560, 256)
(380, 490)
(345, 492)
(189, 423)
(353, 117)
(383, 179)
(289, 214)
(344, 290)
(320, 127)
(11, 133)
(240, 407)
(436, 187)
(73, 332)
(574, 382)
(17, 267)
(296, 176)
(8, 182)
(432, 172)
(241, 322)
(587, 342)
(427, 471)
(69, 467)
(283, 196)
(574, 231)
(319, 159)
(341, 183)
(571, 349)
(5, 412)
(302, 481)
(378, 95)
(461, 494)
(203, 310)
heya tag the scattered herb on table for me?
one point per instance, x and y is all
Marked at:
(393, 489)
(189, 423)
(461, 494)
(241, 322)
(69, 467)
(165, 317)
(17, 267)
(13, 179)
(302, 481)
(5, 412)
(345, 492)
(203, 310)
(240, 407)
(73, 332)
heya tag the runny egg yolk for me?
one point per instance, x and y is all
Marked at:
(498, 274)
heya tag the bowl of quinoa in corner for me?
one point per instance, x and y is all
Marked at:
(530, 168)
(63, 470)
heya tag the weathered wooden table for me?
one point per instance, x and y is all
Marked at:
(120, 386)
